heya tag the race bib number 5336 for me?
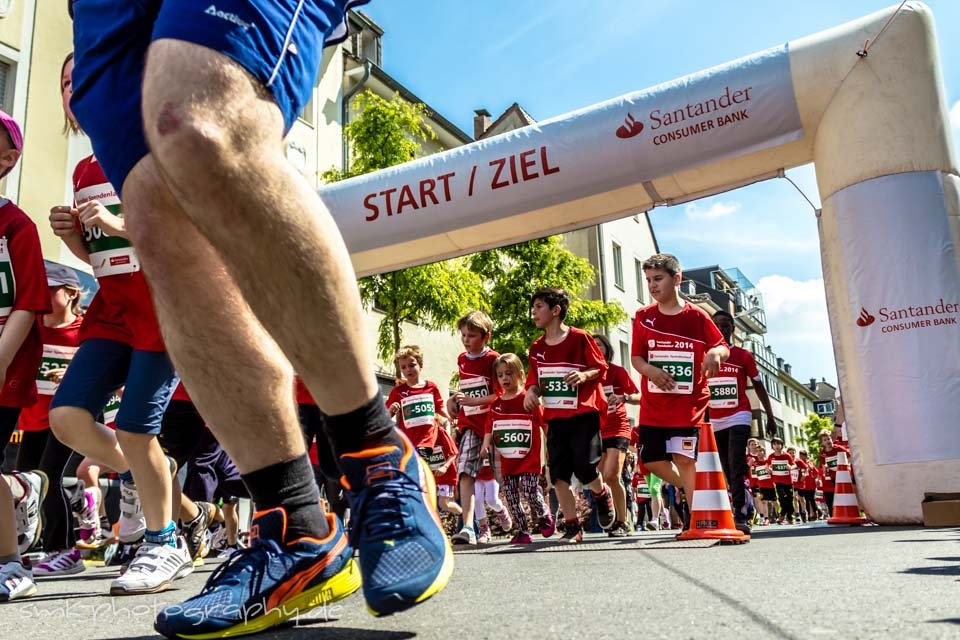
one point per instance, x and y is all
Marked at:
(679, 364)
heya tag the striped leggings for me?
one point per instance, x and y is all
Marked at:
(528, 486)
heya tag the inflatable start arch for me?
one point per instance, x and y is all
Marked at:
(875, 125)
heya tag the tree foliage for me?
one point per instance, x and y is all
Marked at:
(434, 296)
(514, 273)
(812, 427)
(384, 133)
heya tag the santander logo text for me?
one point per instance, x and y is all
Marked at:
(631, 127)
(865, 319)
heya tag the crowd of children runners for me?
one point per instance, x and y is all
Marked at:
(528, 444)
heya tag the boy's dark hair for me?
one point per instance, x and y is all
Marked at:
(553, 298)
(664, 262)
(774, 440)
(605, 346)
(725, 314)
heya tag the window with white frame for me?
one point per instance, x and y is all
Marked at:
(617, 266)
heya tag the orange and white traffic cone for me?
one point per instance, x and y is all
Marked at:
(846, 509)
(710, 515)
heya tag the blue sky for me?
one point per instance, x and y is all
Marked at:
(553, 57)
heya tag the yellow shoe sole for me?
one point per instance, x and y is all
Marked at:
(333, 590)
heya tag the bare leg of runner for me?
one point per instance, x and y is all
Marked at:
(216, 134)
(236, 375)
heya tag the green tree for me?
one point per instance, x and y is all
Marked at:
(513, 273)
(384, 133)
(434, 296)
(812, 427)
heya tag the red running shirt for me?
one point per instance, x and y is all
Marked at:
(517, 434)
(59, 346)
(779, 465)
(477, 379)
(616, 424)
(677, 345)
(728, 389)
(418, 411)
(303, 394)
(437, 453)
(23, 287)
(761, 472)
(828, 465)
(122, 309)
(551, 363)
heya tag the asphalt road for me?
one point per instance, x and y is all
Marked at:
(789, 582)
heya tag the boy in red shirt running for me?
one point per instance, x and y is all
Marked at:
(767, 505)
(676, 347)
(780, 464)
(566, 367)
(730, 415)
(478, 389)
(808, 485)
(828, 465)
(415, 403)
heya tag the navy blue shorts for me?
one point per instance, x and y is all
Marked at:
(279, 42)
(100, 367)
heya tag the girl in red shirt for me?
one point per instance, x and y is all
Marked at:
(615, 430)
(516, 434)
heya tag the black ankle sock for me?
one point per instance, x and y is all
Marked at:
(362, 428)
(290, 485)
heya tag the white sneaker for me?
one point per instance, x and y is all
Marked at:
(465, 536)
(132, 524)
(154, 569)
(60, 563)
(29, 524)
(16, 581)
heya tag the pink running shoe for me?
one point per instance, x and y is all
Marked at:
(60, 563)
(89, 516)
(505, 521)
(548, 526)
(522, 538)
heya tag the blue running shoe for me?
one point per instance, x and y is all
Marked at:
(266, 584)
(405, 557)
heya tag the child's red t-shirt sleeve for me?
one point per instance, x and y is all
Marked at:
(393, 396)
(629, 386)
(533, 377)
(594, 358)
(438, 400)
(750, 364)
(32, 292)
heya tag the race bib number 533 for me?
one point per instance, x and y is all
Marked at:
(557, 394)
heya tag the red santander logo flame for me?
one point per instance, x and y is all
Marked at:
(630, 128)
(865, 319)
